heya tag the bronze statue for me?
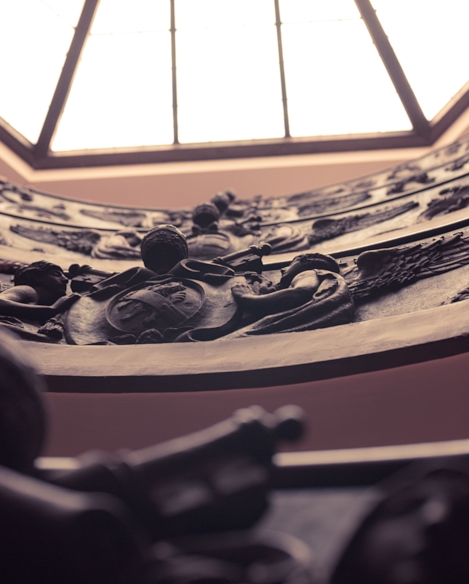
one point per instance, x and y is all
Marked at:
(162, 248)
(98, 523)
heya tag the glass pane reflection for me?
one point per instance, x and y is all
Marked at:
(115, 16)
(228, 84)
(430, 41)
(33, 43)
(197, 14)
(336, 82)
(316, 10)
(121, 95)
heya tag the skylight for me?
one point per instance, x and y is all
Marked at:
(117, 74)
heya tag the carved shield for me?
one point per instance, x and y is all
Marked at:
(155, 306)
(179, 309)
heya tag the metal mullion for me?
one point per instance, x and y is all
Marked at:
(393, 67)
(173, 72)
(66, 77)
(278, 24)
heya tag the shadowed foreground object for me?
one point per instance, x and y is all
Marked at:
(100, 522)
(181, 512)
(418, 533)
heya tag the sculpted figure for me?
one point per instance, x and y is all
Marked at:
(122, 244)
(311, 294)
(39, 293)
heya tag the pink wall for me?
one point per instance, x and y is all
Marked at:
(415, 403)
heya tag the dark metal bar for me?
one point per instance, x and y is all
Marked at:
(394, 69)
(173, 72)
(66, 77)
(450, 113)
(16, 143)
(278, 25)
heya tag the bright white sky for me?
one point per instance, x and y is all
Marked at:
(227, 68)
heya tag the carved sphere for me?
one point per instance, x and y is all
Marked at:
(205, 214)
(22, 413)
(163, 247)
(222, 201)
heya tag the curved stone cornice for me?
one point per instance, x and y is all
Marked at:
(400, 237)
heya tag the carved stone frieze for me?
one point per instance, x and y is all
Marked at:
(380, 271)
(226, 224)
(329, 228)
(207, 275)
(230, 297)
(133, 218)
(400, 186)
(450, 200)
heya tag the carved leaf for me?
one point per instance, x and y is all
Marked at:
(329, 228)
(124, 217)
(380, 271)
(82, 241)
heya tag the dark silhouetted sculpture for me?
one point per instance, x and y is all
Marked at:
(417, 534)
(97, 523)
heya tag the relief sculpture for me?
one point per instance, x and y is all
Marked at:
(382, 271)
(324, 229)
(450, 200)
(311, 294)
(113, 245)
(203, 276)
(226, 224)
(175, 298)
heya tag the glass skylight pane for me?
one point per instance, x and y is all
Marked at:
(316, 10)
(228, 84)
(197, 14)
(116, 16)
(33, 43)
(122, 94)
(430, 41)
(336, 82)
